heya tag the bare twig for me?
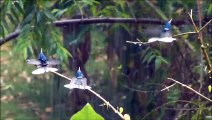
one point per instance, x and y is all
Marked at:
(184, 101)
(205, 25)
(208, 62)
(192, 20)
(190, 89)
(105, 101)
(168, 87)
(186, 33)
(61, 75)
(200, 36)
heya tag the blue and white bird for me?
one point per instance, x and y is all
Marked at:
(165, 36)
(166, 32)
(43, 64)
(79, 81)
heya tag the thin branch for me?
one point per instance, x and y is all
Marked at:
(134, 42)
(205, 25)
(144, 118)
(168, 87)
(62, 75)
(105, 101)
(207, 59)
(186, 33)
(190, 89)
(192, 20)
(200, 36)
(9, 37)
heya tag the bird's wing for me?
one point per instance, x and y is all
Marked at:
(51, 69)
(42, 70)
(53, 62)
(154, 39)
(33, 61)
(167, 39)
(84, 82)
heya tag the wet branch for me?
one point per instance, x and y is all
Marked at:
(190, 89)
(99, 96)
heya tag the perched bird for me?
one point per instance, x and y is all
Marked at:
(165, 36)
(79, 81)
(43, 64)
(166, 32)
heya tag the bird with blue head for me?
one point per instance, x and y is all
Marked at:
(42, 58)
(43, 63)
(79, 81)
(165, 36)
(166, 32)
(79, 74)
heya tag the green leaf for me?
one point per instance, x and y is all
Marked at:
(157, 63)
(49, 14)
(15, 14)
(209, 10)
(38, 17)
(11, 18)
(28, 18)
(147, 56)
(87, 113)
(2, 34)
(164, 60)
(18, 5)
(151, 58)
(59, 13)
(173, 94)
(25, 31)
(5, 24)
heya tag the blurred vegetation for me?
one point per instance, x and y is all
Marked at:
(127, 75)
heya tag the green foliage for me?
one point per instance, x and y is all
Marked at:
(33, 20)
(87, 113)
(22, 96)
(145, 64)
(173, 94)
(203, 112)
(151, 55)
(209, 12)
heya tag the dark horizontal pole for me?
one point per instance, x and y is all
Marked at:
(62, 23)
(9, 37)
(114, 20)
(120, 20)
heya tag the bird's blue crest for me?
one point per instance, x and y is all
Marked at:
(167, 26)
(79, 74)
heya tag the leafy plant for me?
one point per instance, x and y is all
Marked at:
(87, 112)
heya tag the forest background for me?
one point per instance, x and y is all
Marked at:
(92, 35)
